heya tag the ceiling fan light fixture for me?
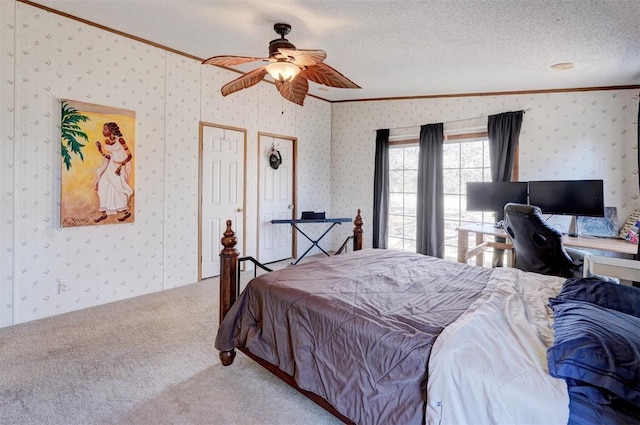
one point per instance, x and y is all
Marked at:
(291, 69)
(283, 71)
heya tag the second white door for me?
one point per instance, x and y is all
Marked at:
(275, 199)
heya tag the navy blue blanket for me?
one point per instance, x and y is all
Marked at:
(597, 350)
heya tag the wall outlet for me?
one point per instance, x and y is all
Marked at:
(64, 287)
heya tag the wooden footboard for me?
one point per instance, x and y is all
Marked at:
(229, 279)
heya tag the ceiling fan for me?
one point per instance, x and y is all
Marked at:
(291, 69)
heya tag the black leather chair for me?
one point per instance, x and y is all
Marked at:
(538, 246)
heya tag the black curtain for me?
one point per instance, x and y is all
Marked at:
(430, 212)
(503, 130)
(381, 189)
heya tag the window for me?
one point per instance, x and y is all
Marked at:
(403, 190)
(465, 159)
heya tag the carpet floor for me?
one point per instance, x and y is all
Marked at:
(145, 360)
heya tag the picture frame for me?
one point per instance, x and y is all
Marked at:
(97, 164)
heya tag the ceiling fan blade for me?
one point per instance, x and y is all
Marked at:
(247, 80)
(324, 74)
(304, 57)
(231, 60)
(295, 90)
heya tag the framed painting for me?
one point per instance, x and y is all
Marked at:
(98, 157)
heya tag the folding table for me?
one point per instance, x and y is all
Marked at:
(294, 223)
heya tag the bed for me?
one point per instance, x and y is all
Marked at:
(390, 337)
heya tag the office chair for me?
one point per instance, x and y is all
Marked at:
(538, 246)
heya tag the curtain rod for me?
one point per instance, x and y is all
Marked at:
(452, 121)
(448, 133)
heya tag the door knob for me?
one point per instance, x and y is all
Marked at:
(290, 206)
(239, 209)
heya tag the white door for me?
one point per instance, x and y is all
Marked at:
(276, 200)
(222, 192)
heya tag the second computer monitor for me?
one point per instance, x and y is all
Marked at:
(572, 197)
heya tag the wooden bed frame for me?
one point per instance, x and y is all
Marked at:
(229, 284)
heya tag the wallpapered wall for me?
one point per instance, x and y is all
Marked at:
(46, 57)
(574, 135)
(7, 140)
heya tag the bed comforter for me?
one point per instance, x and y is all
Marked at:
(356, 329)
(490, 366)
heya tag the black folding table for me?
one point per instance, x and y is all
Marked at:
(294, 222)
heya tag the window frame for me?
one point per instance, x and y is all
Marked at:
(394, 240)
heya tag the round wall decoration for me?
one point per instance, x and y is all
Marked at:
(275, 159)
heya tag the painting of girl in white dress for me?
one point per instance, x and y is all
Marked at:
(98, 165)
(112, 177)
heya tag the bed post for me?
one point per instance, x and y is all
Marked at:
(228, 282)
(357, 232)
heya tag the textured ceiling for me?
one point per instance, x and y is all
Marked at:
(402, 48)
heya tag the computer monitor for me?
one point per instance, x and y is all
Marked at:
(570, 197)
(492, 196)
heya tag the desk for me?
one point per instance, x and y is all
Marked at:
(294, 222)
(481, 230)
